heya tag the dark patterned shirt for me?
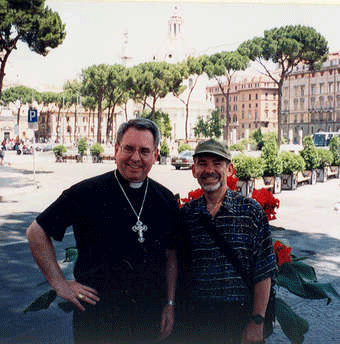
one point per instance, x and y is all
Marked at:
(242, 222)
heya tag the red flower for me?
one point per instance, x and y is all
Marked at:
(282, 253)
(267, 201)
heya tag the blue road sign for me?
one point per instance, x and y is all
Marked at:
(32, 116)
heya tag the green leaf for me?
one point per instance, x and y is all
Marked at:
(304, 270)
(71, 254)
(289, 278)
(42, 302)
(292, 325)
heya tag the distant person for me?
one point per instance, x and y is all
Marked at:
(2, 156)
(125, 275)
(231, 253)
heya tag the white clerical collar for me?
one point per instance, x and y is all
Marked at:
(136, 185)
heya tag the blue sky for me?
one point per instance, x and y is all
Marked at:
(95, 32)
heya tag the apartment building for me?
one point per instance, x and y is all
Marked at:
(253, 104)
(311, 100)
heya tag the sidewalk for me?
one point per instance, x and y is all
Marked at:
(308, 214)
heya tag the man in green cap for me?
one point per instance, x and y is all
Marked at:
(226, 308)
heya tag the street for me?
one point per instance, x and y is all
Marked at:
(309, 216)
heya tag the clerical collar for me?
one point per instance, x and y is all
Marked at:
(133, 185)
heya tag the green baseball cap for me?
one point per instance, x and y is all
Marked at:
(212, 147)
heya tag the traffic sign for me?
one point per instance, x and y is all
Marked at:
(32, 116)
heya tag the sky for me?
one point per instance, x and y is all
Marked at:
(95, 28)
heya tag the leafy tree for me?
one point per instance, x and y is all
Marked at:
(90, 104)
(30, 22)
(258, 137)
(82, 146)
(183, 147)
(47, 99)
(164, 149)
(72, 93)
(192, 69)
(287, 47)
(334, 146)
(116, 93)
(309, 153)
(154, 80)
(270, 151)
(292, 162)
(248, 167)
(21, 95)
(325, 157)
(162, 120)
(211, 127)
(94, 83)
(222, 67)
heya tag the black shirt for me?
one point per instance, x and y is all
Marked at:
(109, 254)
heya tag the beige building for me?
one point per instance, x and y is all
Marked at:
(252, 105)
(311, 100)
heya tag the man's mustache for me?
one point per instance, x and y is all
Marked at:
(209, 175)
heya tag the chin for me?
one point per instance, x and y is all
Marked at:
(212, 188)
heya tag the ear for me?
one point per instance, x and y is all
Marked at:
(156, 152)
(230, 169)
(116, 149)
(193, 170)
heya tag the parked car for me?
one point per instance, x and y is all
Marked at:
(184, 159)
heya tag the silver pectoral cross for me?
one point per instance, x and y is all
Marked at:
(140, 228)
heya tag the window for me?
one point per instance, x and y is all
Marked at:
(313, 89)
(302, 91)
(330, 87)
(322, 88)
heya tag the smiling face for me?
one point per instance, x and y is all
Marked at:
(211, 172)
(135, 154)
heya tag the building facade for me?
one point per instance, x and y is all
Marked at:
(253, 105)
(311, 100)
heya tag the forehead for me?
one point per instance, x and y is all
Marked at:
(136, 137)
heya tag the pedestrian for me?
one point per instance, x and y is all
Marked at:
(228, 233)
(125, 274)
(2, 155)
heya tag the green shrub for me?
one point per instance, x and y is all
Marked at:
(237, 147)
(59, 150)
(247, 167)
(82, 146)
(325, 157)
(309, 153)
(96, 149)
(183, 147)
(292, 162)
(270, 156)
(164, 149)
(334, 146)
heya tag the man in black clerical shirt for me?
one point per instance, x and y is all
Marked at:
(125, 275)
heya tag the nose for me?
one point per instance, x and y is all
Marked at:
(135, 155)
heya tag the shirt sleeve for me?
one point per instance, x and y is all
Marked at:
(58, 216)
(265, 259)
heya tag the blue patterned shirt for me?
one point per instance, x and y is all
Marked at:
(242, 222)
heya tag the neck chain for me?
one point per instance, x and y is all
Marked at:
(139, 227)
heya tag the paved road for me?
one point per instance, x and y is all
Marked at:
(309, 215)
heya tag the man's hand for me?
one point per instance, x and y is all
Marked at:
(168, 320)
(253, 333)
(75, 292)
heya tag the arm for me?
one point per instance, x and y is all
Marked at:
(168, 315)
(254, 332)
(44, 254)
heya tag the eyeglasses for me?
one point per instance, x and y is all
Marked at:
(143, 152)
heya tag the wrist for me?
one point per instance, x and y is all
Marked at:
(257, 319)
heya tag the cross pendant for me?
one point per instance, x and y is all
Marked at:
(140, 228)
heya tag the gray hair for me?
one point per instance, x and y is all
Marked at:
(139, 124)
